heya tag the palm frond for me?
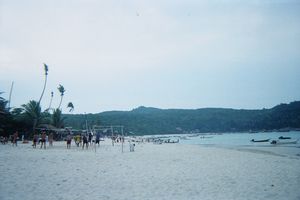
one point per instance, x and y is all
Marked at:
(71, 106)
(61, 89)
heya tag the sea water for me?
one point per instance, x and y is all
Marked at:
(241, 139)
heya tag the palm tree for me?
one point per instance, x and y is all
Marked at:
(71, 106)
(32, 111)
(50, 101)
(62, 90)
(45, 83)
(57, 119)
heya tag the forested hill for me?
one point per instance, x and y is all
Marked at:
(145, 120)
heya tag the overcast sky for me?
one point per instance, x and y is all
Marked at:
(121, 54)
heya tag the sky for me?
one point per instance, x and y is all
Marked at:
(122, 54)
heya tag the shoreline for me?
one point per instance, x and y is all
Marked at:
(281, 151)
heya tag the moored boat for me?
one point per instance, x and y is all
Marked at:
(284, 141)
(266, 140)
(284, 138)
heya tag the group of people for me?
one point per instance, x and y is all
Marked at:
(80, 140)
(83, 140)
(12, 138)
(42, 139)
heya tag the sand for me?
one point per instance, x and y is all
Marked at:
(167, 171)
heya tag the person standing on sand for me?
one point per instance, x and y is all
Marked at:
(85, 142)
(90, 138)
(15, 138)
(35, 140)
(77, 140)
(43, 140)
(69, 140)
(131, 147)
(97, 139)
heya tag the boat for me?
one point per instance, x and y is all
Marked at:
(266, 140)
(284, 142)
(284, 138)
(172, 141)
(205, 137)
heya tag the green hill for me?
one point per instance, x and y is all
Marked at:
(147, 120)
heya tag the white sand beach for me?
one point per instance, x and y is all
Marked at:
(168, 171)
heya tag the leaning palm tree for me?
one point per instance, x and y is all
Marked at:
(57, 119)
(50, 101)
(71, 106)
(32, 112)
(45, 83)
(62, 90)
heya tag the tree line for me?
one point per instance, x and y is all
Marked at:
(145, 120)
(31, 116)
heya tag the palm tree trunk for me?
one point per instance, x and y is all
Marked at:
(61, 98)
(45, 83)
(34, 125)
(50, 103)
(11, 89)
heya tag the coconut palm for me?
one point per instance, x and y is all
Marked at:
(71, 106)
(62, 90)
(45, 83)
(57, 118)
(32, 112)
(50, 101)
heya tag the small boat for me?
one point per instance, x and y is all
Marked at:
(284, 142)
(205, 137)
(266, 140)
(284, 138)
(172, 141)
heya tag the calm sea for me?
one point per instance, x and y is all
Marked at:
(241, 139)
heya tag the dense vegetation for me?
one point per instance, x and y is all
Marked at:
(30, 117)
(145, 120)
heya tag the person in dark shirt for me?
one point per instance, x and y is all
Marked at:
(85, 141)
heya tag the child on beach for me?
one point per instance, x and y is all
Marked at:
(131, 147)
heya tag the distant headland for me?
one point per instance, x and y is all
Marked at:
(148, 120)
